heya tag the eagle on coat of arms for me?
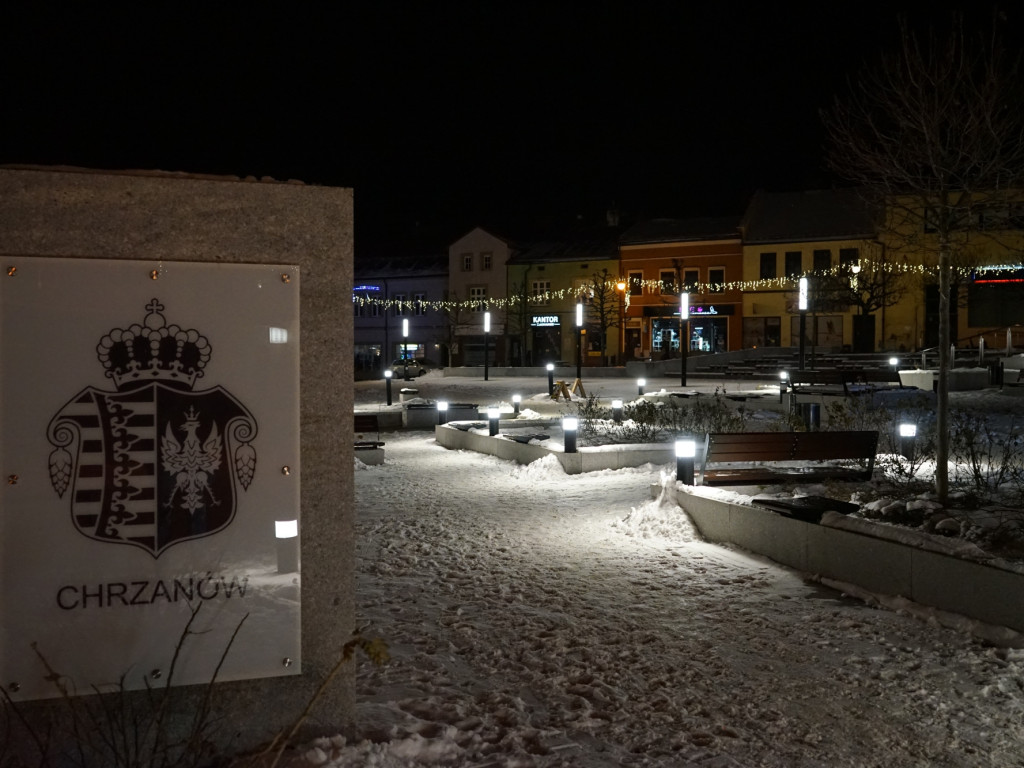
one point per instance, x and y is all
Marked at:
(153, 463)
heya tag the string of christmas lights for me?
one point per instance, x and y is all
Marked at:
(366, 299)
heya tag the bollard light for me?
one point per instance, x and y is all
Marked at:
(493, 414)
(908, 434)
(442, 411)
(894, 361)
(686, 450)
(783, 382)
(569, 425)
(551, 379)
(640, 384)
(387, 384)
(286, 534)
(516, 400)
(617, 411)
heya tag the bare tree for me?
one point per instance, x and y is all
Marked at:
(518, 314)
(868, 287)
(604, 305)
(933, 131)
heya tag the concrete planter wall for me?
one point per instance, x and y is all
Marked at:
(585, 460)
(977, 590)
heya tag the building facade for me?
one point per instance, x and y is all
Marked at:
(664, 258)
(477, 291)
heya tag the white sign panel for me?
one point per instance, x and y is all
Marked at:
(149, 443)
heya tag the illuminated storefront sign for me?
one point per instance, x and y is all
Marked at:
(165, 421)
(544, 321)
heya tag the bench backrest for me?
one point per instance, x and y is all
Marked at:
(790, 446)
(367, 422)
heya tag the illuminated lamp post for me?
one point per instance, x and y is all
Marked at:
(684, 341)
(640, 383)
(493, 414)
(686, 450)
(442, 411)
(516, 401)
(387, 384)
(405, 347)
(579, 340)
(908, 435)
(551, 379)
(569, 424)
(621, 287)
(617, 411)
(802, 306)
(487, 340)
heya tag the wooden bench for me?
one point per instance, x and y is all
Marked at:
(848, 381)
(808, 448)
(365, 423)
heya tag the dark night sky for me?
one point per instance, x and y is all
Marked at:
(445, 115)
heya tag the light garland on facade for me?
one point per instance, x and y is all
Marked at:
(747, 286)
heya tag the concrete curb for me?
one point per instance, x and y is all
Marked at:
(977, 590)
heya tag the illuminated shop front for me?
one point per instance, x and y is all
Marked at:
(708, 329)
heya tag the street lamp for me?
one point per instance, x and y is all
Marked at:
(686, 450)
(569, 424)
(802, 306)
(684, 341)
(617, 411)
(621, 287)
(579, 340)
(487, 340)
(908, 433)
(405, 348)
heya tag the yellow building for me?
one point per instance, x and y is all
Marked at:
(828, 236)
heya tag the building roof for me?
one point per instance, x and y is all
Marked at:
(787, 217)
(682, 230)
(422, 265)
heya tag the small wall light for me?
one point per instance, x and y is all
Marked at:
(493, 414)
(516, 400)
(617, 411)
(278, 335)
(442, 411)
(640, 383)
(286, 533)
(686, 450)
(569, 425)
(908, 435)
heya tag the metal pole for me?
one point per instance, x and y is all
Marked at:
(579, 340)
(487, 340)
(802, 306)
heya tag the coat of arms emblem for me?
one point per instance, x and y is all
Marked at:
(153, 463)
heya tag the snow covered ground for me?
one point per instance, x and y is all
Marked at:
(540, 619)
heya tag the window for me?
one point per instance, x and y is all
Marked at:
(467, 262)
(691, 278)
(374, 309)
(767, 266)
(417, 304)
(668, 283)
(716, 279)
(636, 283)
(794, 263)
(822, 260)
(478, 296)
(539, 293)
(848, 257)
(400, 307)
(357, 305)
(485, 261)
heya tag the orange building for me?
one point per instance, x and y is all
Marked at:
(662, 258)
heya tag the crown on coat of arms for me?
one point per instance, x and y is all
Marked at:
(153, 351)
